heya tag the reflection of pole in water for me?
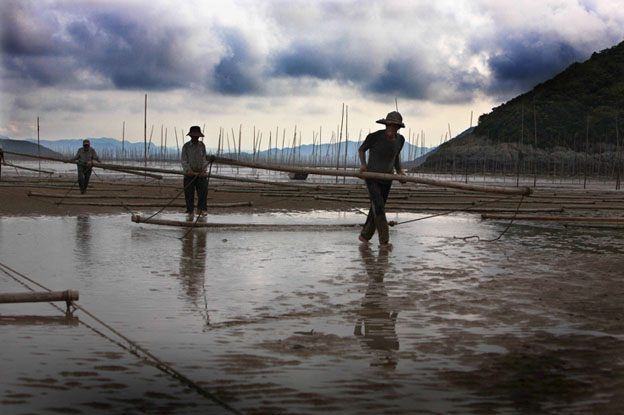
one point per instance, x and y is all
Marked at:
(193, 268)
(376, 324)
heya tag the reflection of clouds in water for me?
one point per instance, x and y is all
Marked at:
(193, 266)
(377, 318)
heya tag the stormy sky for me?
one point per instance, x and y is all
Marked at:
(84, 66)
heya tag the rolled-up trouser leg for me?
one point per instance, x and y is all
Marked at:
(189, 193)
(368, 230)
(81, 179)
(383, 231)
(201, 185)
(87, 176)
(378, 193)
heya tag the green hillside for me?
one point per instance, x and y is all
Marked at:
(566, 126)
(560, 108)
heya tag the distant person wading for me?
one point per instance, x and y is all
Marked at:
(1, 160)
(85, 156)
(194, 165)
(384, 148)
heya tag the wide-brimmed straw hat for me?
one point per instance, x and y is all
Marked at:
(393, 118)
(195, 131)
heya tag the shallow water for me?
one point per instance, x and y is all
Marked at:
(311, 321)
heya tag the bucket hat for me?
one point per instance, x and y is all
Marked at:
(393, 118)
(195, 131)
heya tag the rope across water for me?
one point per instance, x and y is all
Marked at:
(131, 346)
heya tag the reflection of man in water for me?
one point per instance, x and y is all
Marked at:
(83, 250)
(193, 266)
(376, 324)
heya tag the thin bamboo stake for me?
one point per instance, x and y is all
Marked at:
(38, 145)
(145, 132)
(346, 140)
(340, 140)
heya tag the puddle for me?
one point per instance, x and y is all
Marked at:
(310, 321)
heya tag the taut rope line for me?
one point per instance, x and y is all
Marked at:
(133, 347)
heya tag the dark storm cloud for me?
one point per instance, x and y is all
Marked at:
(24, 34)
(94, 50)
(522, 61)
(413, 54)
(304, 60)
(129, 52)
(400, 77)
(238, 72)
(322, 60)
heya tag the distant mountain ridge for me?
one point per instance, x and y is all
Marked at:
(26, 147)
(110, 146)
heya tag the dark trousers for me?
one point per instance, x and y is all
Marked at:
(192, 184)
(84, 174)
(378, 192)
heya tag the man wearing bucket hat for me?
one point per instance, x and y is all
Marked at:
(194, 165)
(85, 156)
(384, 148)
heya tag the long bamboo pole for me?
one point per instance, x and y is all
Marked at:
(525, 191)
(554, 218)
(27, 168)
(121, 167)
(40, 297)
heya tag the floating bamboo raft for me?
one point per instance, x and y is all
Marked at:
(243, 226)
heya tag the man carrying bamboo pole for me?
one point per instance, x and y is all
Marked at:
(384, 148)
(194, 165)
(85, 156)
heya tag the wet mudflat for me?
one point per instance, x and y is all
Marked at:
(305, 322)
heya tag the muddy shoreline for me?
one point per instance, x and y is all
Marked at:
(312, 322)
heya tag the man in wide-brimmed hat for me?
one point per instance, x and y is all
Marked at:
(85, 156)
(194, 165)
(384, 148)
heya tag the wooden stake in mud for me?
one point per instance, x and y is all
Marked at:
(145, 133)
(38, 145)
